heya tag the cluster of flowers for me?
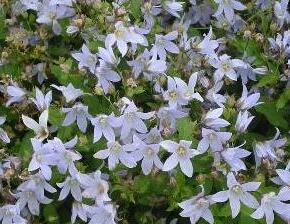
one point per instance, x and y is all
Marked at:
(129, 139)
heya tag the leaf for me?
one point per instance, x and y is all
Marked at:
(2, 24)
(273, 116)
(284, 98)
(135, 8)
(55, 117)
(268, 80)
(50, 213)
(185, 128)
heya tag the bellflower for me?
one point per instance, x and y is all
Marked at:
(148, 153)
(104, 125)
(237, 193)
(122, 36)
(31, 4)
(181, 153)
(86, 59)
(132, 119)
(42, 101)
(3, 135)
(281, 13)
(104, 214)
(172, 7)
(79, 210)
(164, 44)
(243, 121)
(247, 101)
(173, 94)
(271, 203)
(283, 179)
(69, 92)
(197, 207)
(39, 70)
(225, 66)
(40, 128)
(117, 153)
(78, 112)
(212, 119)
(70, 185)
(15, 94)
(214, 97)
(10, 214)
(227, 7)
(212, 139)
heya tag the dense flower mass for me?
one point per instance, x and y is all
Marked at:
(144, 111)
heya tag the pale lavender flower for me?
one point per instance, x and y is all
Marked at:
(70, 185)
(225, 66)
(69, 92)
(10, 214)
(201, 13)
(95, 187)
(132, 119)
(283, 179)
(172, 7)
(281, 44)
(243, 121)
(212, 119)
(104, 214)
(49, 14)
(227, 7)
(197, 207)
(105, 71)
(117, 153)
(122, 36)
(62, 2)
(42, 101)
(214, 97)
(148, 65)
(79, 113)
(263, 4)
(16, 94)
(237, 193)
(42, 158)
(181, 153)
(148, 153)
(149, 10)
(271, 203)
(152, 137)
(163, 44)
(173, 94)
(39, 70)
(3, 134)
(233, 157)
(247, 101)
(212, 139)
(104, 125)
(40, 129)
(79, 210)
(86, 59)
(31, 4)
(281, 13)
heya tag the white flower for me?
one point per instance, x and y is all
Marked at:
(148, 153)
(70, 185)
(122, 36)
(271, 203)
(281, 13)
(197, 207)
(31, 4)
(247, 101)
(78, 209)
(225, 66)
(16, 94)
(172, 7)
(42, 102)
(213, 96)
(103, 214)
(181, 153)
(228, 7)
(40, 129)
(237, 193)
(243, 121)
(86, 59)
(69, 92)
(212, 120)
(10, 214)
(3, 135)
(212, 139)
(117, 153)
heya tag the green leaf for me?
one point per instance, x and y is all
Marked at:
(268, 80)
(273, 116)
(185, 128)
(55, 117)
(50, 213)
(2, 24)
(135, 8)
(284, 98)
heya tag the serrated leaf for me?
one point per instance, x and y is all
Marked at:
(284, 98)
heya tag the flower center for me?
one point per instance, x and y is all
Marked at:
(226, 66)
(91, 60)
(202, 202)
(237, 189)
(116, 148)
(172, 95)
(181, 151)
(103, 121)
(149, 152)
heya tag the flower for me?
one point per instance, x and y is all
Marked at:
(212, 139)
(122, 36)
(271, 203)
(181, 153)
(197, 207)
(117, 153)
(172, 7)
(10, 214)
(3, 135)
(40, 128)
(227, 7)
(42, 102)
(104, 125)
(70, 93)
(86, 59)
(237, 193)
(39, 70)
(148, 153)
(225, 66)
(104, 214)
(31, 4)
(164, 43)
(247, 101)
(79, 209)
(173, 94)
(16, 94)
(281, 13)
(212, 120)
(70, 185)
(213, 96)
(243, 121)
(78, 112)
